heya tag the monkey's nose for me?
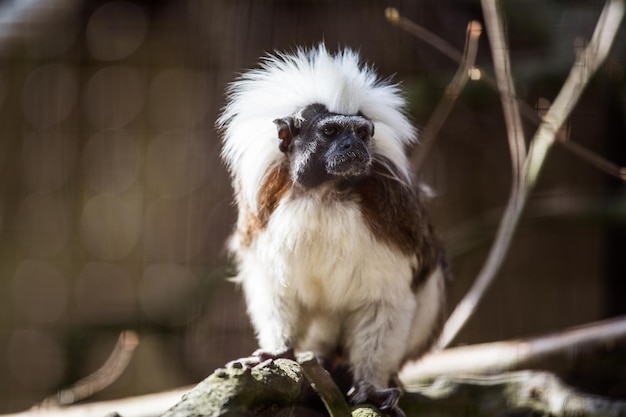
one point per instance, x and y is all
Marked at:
(347, 144)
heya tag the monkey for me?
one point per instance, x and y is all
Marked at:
(333, 243)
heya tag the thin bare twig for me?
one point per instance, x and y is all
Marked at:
(527, 111)
(104, 376)
(595, 160)
(453, 90)
(515, 134)
(584, 67)
(393, 16)
(494, 19)
(499, 248)
(150, 405)
(506, 356)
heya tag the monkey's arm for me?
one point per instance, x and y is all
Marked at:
(275, 318)
(377, 340)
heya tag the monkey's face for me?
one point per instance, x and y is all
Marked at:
(323, 146)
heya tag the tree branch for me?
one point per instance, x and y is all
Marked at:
(453, 90)
(323, 384)
(519, 393)
(527, 111)
(584, 67)
(141, 406)
(440, 383)
(393, 16)
(494, 19)
(489, 358)
(104, 376)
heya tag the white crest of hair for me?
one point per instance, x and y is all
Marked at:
(284, 85)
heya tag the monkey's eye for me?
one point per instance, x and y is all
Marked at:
(362, 133)
(330, 131)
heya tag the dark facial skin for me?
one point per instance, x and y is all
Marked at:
(324, 146)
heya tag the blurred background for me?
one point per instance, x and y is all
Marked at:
(114, 205)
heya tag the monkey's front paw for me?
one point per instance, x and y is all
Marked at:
(385, 399)
(259, 356)
(264, 355)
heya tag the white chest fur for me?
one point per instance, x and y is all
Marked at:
(324, 256)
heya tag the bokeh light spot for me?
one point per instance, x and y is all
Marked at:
(176, 163)
(116, 30)
(113, 97)
(111, 161)
(49, 95)
(175, 230)
(110, 227)
(105, 293)
(42, 225)
(165, 291)
(48, 159)
(40, 291)
(179, 98)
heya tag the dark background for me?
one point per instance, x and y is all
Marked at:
(114, 205)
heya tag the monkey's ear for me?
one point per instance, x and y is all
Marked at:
(286, 131)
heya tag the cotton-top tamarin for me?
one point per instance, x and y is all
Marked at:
(333, 243)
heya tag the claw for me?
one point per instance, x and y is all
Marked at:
(385, 399)
(259, 356)
(264, 355)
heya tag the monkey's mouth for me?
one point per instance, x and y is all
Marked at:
(349, 164)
